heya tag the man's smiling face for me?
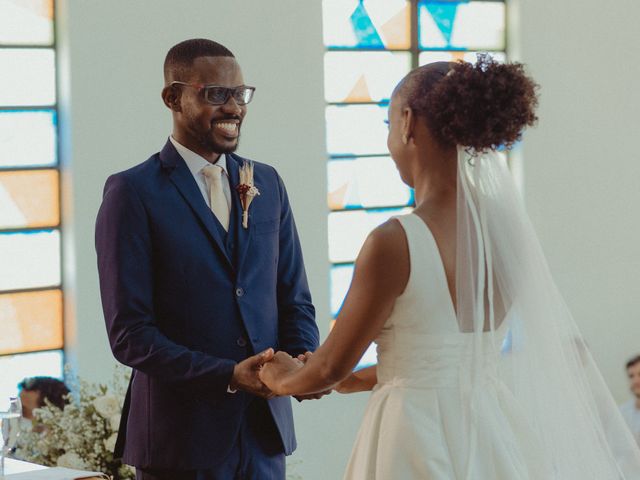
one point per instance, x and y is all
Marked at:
(204, 127)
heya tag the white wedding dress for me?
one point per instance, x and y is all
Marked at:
(414, 424)
(503, 387)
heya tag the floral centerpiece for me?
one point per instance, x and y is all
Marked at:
(83, 435)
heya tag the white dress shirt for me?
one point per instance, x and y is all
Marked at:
(631, 414)
(196, 163)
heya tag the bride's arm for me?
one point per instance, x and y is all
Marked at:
(381, 275)
(360, 381)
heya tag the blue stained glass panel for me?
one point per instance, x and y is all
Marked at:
(463, 25)
(356, 129)
(368, 24)
(27, 138)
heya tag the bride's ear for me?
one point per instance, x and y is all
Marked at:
(408, 120)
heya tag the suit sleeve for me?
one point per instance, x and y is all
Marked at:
(125, 267)
(298, 332)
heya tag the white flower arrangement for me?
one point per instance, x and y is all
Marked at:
(83, 435)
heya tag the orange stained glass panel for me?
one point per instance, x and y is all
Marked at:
(29, 198)
(31, 321)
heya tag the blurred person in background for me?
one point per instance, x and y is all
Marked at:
(631, 409)
(34, 391)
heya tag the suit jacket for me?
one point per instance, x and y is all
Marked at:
(184, 301)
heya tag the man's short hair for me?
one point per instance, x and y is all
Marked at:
(181, 56)
(634, 361)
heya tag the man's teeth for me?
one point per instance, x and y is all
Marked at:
(228, 127)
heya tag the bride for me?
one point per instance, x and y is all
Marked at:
(482, 373)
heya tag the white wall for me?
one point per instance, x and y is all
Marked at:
(581, 162)
(111, 77)
(582, 165)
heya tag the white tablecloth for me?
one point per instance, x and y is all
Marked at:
(17, 470)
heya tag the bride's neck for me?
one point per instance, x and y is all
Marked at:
(435, 177)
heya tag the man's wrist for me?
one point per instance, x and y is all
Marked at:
(232, 387)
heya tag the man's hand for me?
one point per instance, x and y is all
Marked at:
(245, 375)
(313, 396)
(280, 366)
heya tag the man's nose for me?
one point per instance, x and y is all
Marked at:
(232, 107)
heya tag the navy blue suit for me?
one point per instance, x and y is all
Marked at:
(184, 301)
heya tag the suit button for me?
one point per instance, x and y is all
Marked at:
(241, 342)
(239, 292)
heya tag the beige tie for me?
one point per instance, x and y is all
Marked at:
(219, 205)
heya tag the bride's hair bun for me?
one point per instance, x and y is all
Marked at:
(483, 106)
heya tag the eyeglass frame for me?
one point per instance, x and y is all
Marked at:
(203, 86)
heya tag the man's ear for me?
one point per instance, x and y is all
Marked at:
(171, 98)
(408, 120)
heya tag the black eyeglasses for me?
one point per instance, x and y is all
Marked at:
(217, 95)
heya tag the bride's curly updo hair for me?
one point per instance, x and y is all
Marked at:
(481, 106)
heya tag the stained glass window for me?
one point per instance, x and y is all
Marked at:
(31, 321)
(31, 296)
(26, 22)
(28, 77)
(29, 198)
(27, 138)
(354, 183)
(14, 368)
(371, 45)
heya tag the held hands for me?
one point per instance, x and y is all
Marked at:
(282, 365)
(246, 375)
(312, 396)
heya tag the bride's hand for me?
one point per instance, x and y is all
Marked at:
(273, 372)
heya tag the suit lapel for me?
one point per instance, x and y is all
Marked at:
(181, 177)
(243, 235)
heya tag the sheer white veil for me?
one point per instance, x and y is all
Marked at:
(527, 345)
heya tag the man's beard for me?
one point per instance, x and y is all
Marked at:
(211, 145)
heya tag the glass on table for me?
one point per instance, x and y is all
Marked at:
(10, 414)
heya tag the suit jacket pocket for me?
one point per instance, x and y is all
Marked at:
(266, 226)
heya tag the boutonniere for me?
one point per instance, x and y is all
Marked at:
(247, 190)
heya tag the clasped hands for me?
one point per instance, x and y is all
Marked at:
(252, 377)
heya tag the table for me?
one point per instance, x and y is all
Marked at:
(19, 470)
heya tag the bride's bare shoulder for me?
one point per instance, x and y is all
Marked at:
(390, 236)
(385, 254)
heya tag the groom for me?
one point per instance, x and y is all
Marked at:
(195, 301)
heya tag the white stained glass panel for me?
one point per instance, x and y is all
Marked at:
(366, 182)
(28, 77)
(15, 368)
(341, 276)
(356, 129)
(348, 231)
(26, 22)
(29, 259)
(374, 24)
(471, 57)
(27, 138)
(363, 76)
(462, 25)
